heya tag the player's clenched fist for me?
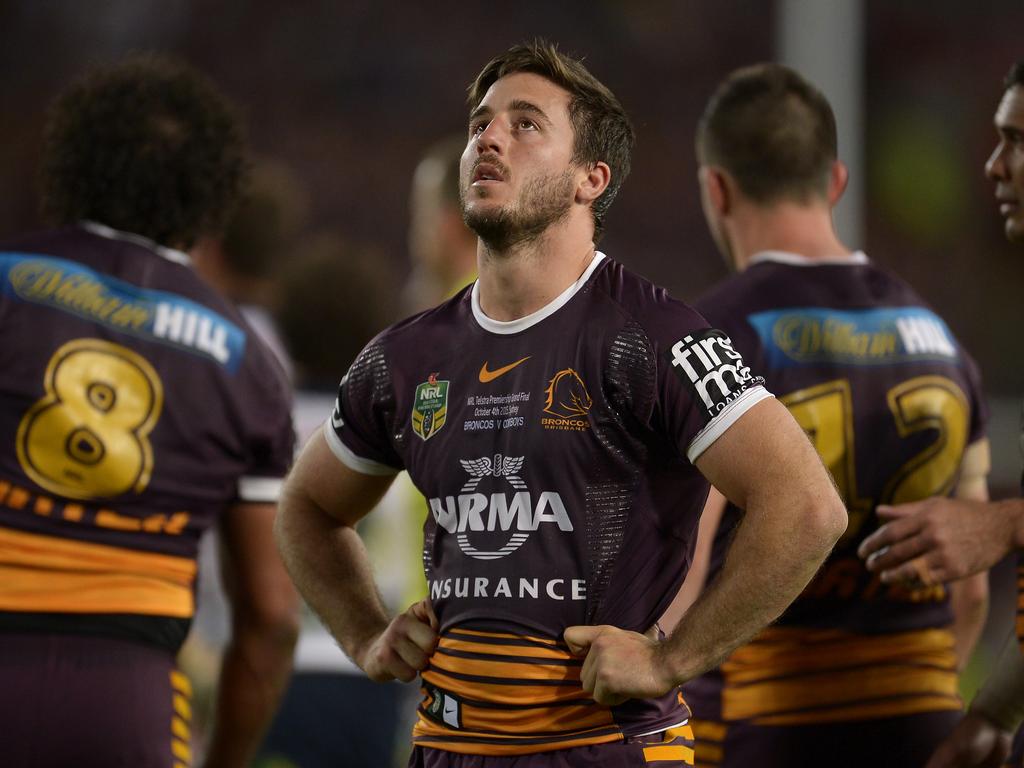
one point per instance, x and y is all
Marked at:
(619, 665)
(404, 647)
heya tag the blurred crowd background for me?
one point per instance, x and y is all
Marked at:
(343, 100)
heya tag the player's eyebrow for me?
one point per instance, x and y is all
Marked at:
(516, 105)
(521, 105)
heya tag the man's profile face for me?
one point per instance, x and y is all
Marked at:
(517, 174)
(1006, 165)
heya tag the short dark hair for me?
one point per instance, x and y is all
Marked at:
(602, 131)
(772, 131)
(1015, 76)
(146, 145)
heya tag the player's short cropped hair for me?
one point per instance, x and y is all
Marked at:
(146, 145)
(772, 131)
(1015, 76)
(602, 131)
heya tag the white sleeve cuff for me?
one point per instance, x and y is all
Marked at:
(725, 419)
(350, 459)
(260, 490)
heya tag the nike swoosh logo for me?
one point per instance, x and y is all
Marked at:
(486, 376)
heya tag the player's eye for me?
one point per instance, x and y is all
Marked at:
(476, 128)
(526, 124)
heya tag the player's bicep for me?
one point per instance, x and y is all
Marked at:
(764, 458)
(320, 479)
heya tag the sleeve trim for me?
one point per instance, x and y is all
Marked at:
(718, 425)
(351, 460)
(260, 489)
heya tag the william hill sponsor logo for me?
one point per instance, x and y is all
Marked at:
(863, 337)
(79, 292)
(568, 402)
(172, 319)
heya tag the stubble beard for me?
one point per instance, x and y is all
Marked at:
(542, 203)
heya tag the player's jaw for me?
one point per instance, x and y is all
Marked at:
(504, 214)
(1008, 199)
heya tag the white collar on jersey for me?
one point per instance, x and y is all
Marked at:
(797, 260)
(178, 257)
(514, 326)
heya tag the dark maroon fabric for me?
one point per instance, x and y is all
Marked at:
(80, 701)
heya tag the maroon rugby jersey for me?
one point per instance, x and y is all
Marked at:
(555, 453)
(135, 405)
(891, 401)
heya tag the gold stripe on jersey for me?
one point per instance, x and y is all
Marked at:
(676, 746)
(55, 575)
(710, 738)
(181, 732)
(792, 676)
(515, 695)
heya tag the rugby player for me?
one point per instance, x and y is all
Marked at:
(137, 410)
(944, 539)
(855, 672)
(563, 417)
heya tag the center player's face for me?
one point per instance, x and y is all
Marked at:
(1006, 165)
(517, 174)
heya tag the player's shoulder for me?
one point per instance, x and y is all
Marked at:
(644, 302)
(435, 326)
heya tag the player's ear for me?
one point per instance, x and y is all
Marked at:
(716, 189)
(594, 183)
(838, 178)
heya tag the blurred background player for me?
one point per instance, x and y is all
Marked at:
(855, 672)
(945, 539)
(334, 297)
(245, 262)
(139, 409)
(442, 248)
(561, 416)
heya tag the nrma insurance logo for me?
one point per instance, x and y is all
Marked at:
(492, 525)
(710, 365)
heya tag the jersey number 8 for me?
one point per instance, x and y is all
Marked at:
(88, 436)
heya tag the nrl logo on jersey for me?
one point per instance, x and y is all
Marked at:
(430, 407)
(499, 522)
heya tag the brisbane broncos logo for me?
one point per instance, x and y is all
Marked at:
(567, 396)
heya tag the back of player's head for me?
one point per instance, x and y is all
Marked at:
(602, 130)
(1015, 76)
(146, 145)
(772, 131)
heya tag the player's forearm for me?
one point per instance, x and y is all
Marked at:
(775, 553)
(329, 565)
(969, 601)
(254, 673)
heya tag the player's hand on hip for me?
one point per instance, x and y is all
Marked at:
(937, 540)
(619, 665)
(403, 649)
(974, 743)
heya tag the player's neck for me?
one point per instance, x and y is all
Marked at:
(519, 281)
(804, 230)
